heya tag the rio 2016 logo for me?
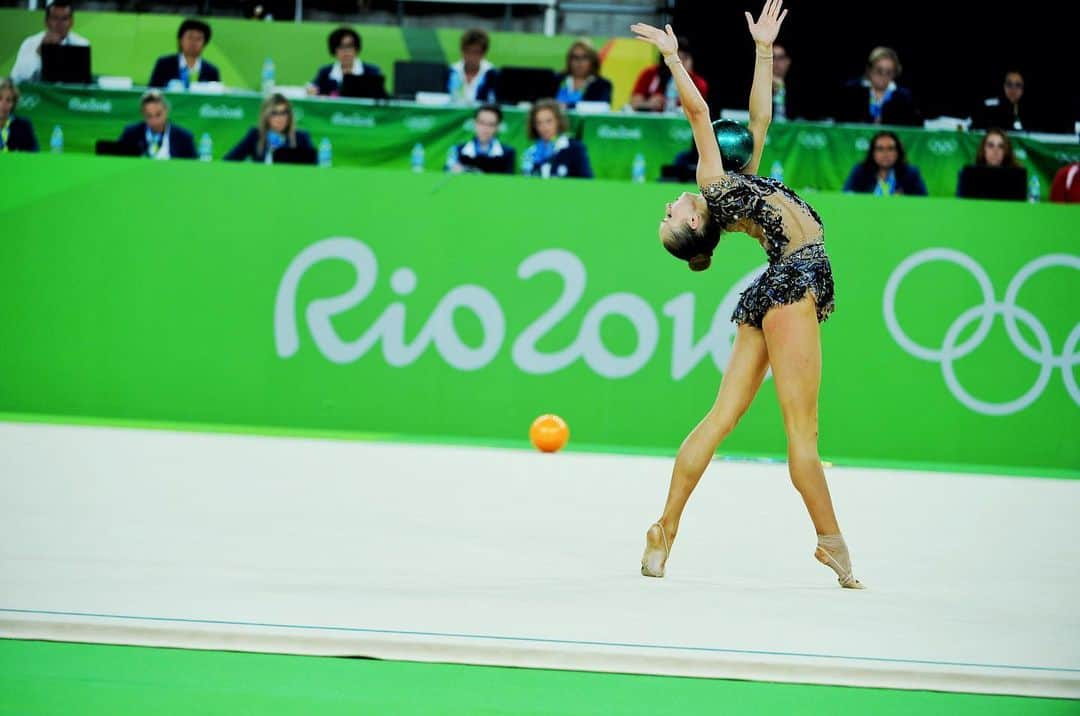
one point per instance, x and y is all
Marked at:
(951, 351)
(438, 330)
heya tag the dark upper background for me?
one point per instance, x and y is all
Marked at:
(954, 54)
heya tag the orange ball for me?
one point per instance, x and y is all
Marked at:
(549, 433)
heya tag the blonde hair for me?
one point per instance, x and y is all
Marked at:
(881, 53)
(267, 108)
(151, 96)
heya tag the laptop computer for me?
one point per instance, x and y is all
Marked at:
(489, 165)
(109, 148)
(524, 84)
(413, 77)
(367, 86)
(295, 155)
(983, 182)
(65, 63)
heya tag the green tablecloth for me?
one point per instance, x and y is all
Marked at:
(810, 156)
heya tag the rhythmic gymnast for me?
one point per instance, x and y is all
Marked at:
(778, 316)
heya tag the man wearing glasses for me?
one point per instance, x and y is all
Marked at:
(484, 152)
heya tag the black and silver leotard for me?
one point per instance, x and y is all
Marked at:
(772, 213)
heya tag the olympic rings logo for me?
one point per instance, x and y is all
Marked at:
(423, 123)
(681, 134)
(943, 146)
(950, 352)
(813, 140)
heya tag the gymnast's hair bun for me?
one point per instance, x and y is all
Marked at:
(700, 262)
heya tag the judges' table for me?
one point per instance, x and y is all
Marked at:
(364, 133)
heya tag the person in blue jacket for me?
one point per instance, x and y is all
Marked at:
(885, 170)
(553, 153)
(484, 153)
(581, 82)
(155, 137)
(344, 44)
(187, 65)
(277, 129)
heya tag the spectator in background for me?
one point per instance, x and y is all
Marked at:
(885, 170)
(472, 78)
(995, 152)
(59, 19)
(155, 137)
(484, 152)
(875, 98)
(1065, 189)
(16, 133)
(581, 82)
(344, 45)
(683, 167)
(1004, 110)
(553, 152)
(187, 65)
(276, 129)
(781, 103)
(654, 91)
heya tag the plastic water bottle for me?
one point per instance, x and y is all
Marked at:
(1034, 188)
(455, 86)
(206, 148)
(268, 76)
(779, 112)
(453, 159)
(671, 97)
(777, 171)
(56, 142)
(637, 169)
(326, 152)
(416, 159)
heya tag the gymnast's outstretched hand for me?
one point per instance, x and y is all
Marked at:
(663, 40)
(767, 27)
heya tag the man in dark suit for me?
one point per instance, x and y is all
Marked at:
(16, 133)
(187, 65)
(155, 137)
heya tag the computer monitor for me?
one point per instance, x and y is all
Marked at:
(524, 84)
(109, 148)
(65, 63)
(985, 182)
(366, 86)
(295, 155)
(413, 77)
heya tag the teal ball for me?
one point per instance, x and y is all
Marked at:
(736, 144)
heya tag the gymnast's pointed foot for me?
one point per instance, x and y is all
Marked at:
(657, 548)
(833, 553)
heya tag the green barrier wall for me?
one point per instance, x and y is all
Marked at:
(363, 134)
(427, 305)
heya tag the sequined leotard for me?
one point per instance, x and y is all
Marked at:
(772, 213)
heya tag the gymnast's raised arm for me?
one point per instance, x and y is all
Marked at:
(710, 166)
(764, 32)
